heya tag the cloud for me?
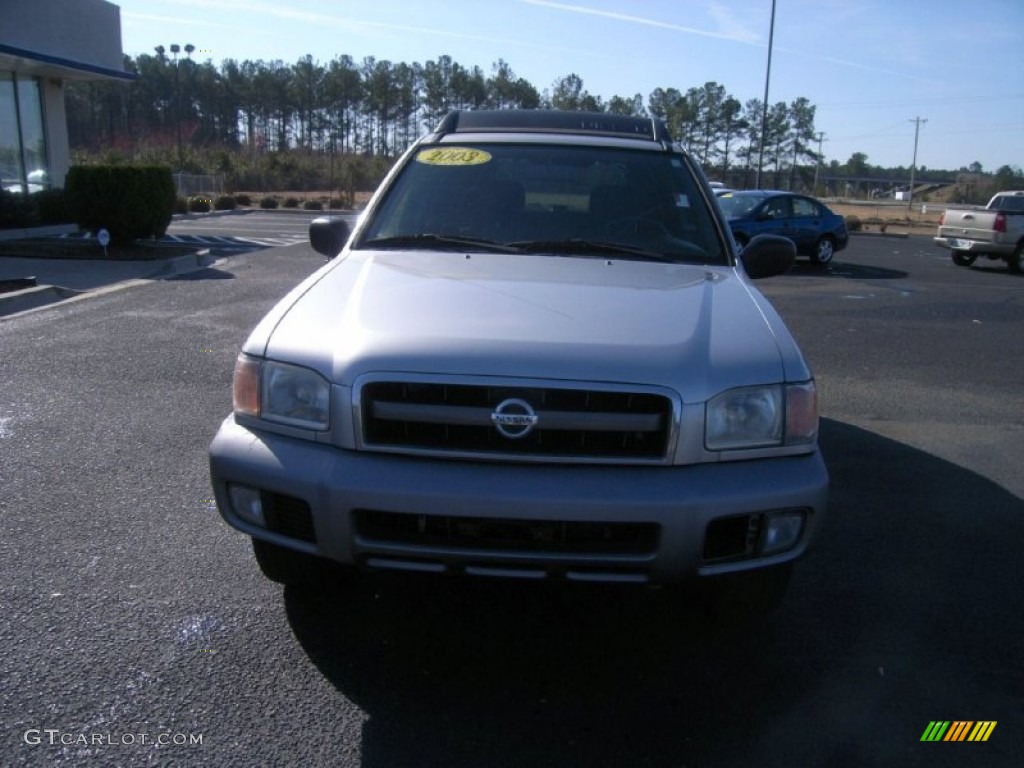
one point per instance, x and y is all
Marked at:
(250, 9)
(735, 35)
(731, 28)
(729, 24)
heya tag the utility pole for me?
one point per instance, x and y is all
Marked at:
(817, 165)
(175, 50)
(913, 165)
(764, 110)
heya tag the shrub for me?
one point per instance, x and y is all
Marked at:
(225, 203)
(180, 205)
(17, 211)
(52, 205)
(243, 200)
(853, 224)
(291, 202)
(313, 205)
(268, 202)
(199, 204)
(129, 201)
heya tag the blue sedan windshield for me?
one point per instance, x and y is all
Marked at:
(737, 206)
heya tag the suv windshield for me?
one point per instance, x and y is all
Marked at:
(548, 198)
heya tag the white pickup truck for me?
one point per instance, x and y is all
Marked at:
(995, 231)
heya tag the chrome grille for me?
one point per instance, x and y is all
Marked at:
(538, 423)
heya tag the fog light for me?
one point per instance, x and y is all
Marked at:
(246, 503)
(782, 531)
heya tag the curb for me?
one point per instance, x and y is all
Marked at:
(30, 232)
(28, 300)
(285, 211)
(187, 263)
(899, 235)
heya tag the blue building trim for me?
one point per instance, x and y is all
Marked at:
(80, 66)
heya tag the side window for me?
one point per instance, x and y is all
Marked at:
(806, 208)
(778, 208)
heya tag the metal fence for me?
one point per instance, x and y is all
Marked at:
(189, 184)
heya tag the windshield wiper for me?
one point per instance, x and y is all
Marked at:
(593, 247)
(430, 239)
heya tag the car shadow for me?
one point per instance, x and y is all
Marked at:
(845, 270)
(906, 611)
(993, 268)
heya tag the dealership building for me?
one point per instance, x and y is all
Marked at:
(43, 44)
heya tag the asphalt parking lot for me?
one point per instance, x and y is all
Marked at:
(238, 229)
(131, 610)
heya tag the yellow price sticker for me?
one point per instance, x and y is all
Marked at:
(453, 156)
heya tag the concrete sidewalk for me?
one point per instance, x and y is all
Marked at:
(67, 279)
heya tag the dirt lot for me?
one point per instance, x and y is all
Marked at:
(895, 217)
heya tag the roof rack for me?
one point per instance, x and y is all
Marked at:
(554, 121)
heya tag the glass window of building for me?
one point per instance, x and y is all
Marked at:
(23, 157)
(10, 144)
(33, 137)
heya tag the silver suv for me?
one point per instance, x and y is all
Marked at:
(538, 355)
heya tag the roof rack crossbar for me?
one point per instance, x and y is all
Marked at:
(554, 121)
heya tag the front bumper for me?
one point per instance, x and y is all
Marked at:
(519, 513)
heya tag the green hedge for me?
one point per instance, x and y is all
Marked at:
(131, 202)
(17, 211)
(48, 206)
(199, 204)
(53, 206)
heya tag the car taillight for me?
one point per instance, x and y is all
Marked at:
(1000, 222)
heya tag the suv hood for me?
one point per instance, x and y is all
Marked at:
(695, 329)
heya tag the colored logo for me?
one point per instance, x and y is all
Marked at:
(958, 730)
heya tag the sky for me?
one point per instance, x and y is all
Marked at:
(871, 67)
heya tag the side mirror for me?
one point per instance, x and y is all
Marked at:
(328, 235)
(767, 256)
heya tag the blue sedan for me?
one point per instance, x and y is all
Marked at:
(816, 230)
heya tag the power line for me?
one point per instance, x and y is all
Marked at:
(992, 128)
(935, 101)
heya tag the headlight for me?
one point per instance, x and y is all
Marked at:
(744, 418)
(762, 417)
(295, 396)
(287, 394)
